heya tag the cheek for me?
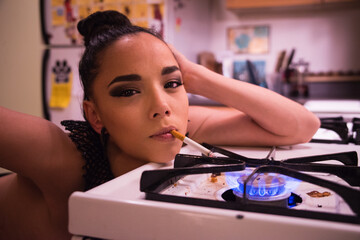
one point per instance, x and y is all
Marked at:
(127, 133)
(125, 124)
(182, 111)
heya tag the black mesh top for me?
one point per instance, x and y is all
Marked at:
(97, 166)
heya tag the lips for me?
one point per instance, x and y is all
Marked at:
(164, 134)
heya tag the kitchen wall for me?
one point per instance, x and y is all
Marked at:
(328, 38)
(20, 56)
(189, 26)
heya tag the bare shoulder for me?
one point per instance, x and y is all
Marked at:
(62, 165)
(39, 151)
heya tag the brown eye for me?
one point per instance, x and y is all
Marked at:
(173, 84)
(120, 92)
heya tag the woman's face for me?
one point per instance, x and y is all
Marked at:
(139, 97)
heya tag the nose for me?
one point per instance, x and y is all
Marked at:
(159, 106)
(161, 114)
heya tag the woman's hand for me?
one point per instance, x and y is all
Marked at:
(188, 70)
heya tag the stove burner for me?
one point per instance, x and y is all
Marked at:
(265, 187)
(291, 201)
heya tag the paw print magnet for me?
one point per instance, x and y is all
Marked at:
(61, 85)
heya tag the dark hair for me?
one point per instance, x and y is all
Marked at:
(99, 30)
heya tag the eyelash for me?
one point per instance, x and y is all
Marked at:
(128, 92)
(171, 84)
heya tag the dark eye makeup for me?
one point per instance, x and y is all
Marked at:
(129, 91)
(173, 83)
(123, 92)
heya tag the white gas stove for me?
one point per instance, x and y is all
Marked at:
(205, 204)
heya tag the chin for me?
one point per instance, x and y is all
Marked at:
(164, 156)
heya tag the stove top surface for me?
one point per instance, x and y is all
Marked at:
(119, 210)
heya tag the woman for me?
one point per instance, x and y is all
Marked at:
(135, 93)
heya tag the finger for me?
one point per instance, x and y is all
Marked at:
(177, 54)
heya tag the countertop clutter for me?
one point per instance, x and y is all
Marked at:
(295, 80)
(333, 85)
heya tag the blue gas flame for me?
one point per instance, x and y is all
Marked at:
(235, 180)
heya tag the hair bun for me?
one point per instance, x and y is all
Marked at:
(100, 21)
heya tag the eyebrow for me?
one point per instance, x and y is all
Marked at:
(136, 77)
(168, 70)
(125, 78)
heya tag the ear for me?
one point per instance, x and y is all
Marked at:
(92, 116)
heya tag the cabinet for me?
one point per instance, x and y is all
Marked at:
(238, 4)
(253, 4)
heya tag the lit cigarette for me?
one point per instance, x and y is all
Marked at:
(192, 143)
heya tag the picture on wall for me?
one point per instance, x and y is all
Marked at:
(250, 71)
(249, 39)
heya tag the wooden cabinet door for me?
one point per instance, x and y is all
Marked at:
(238, 4)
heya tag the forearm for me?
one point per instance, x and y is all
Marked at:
(269, 110)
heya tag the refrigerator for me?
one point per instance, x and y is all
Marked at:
(62, 93)
(61, 89)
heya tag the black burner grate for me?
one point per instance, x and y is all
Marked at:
(339, 126)
(153, 182)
